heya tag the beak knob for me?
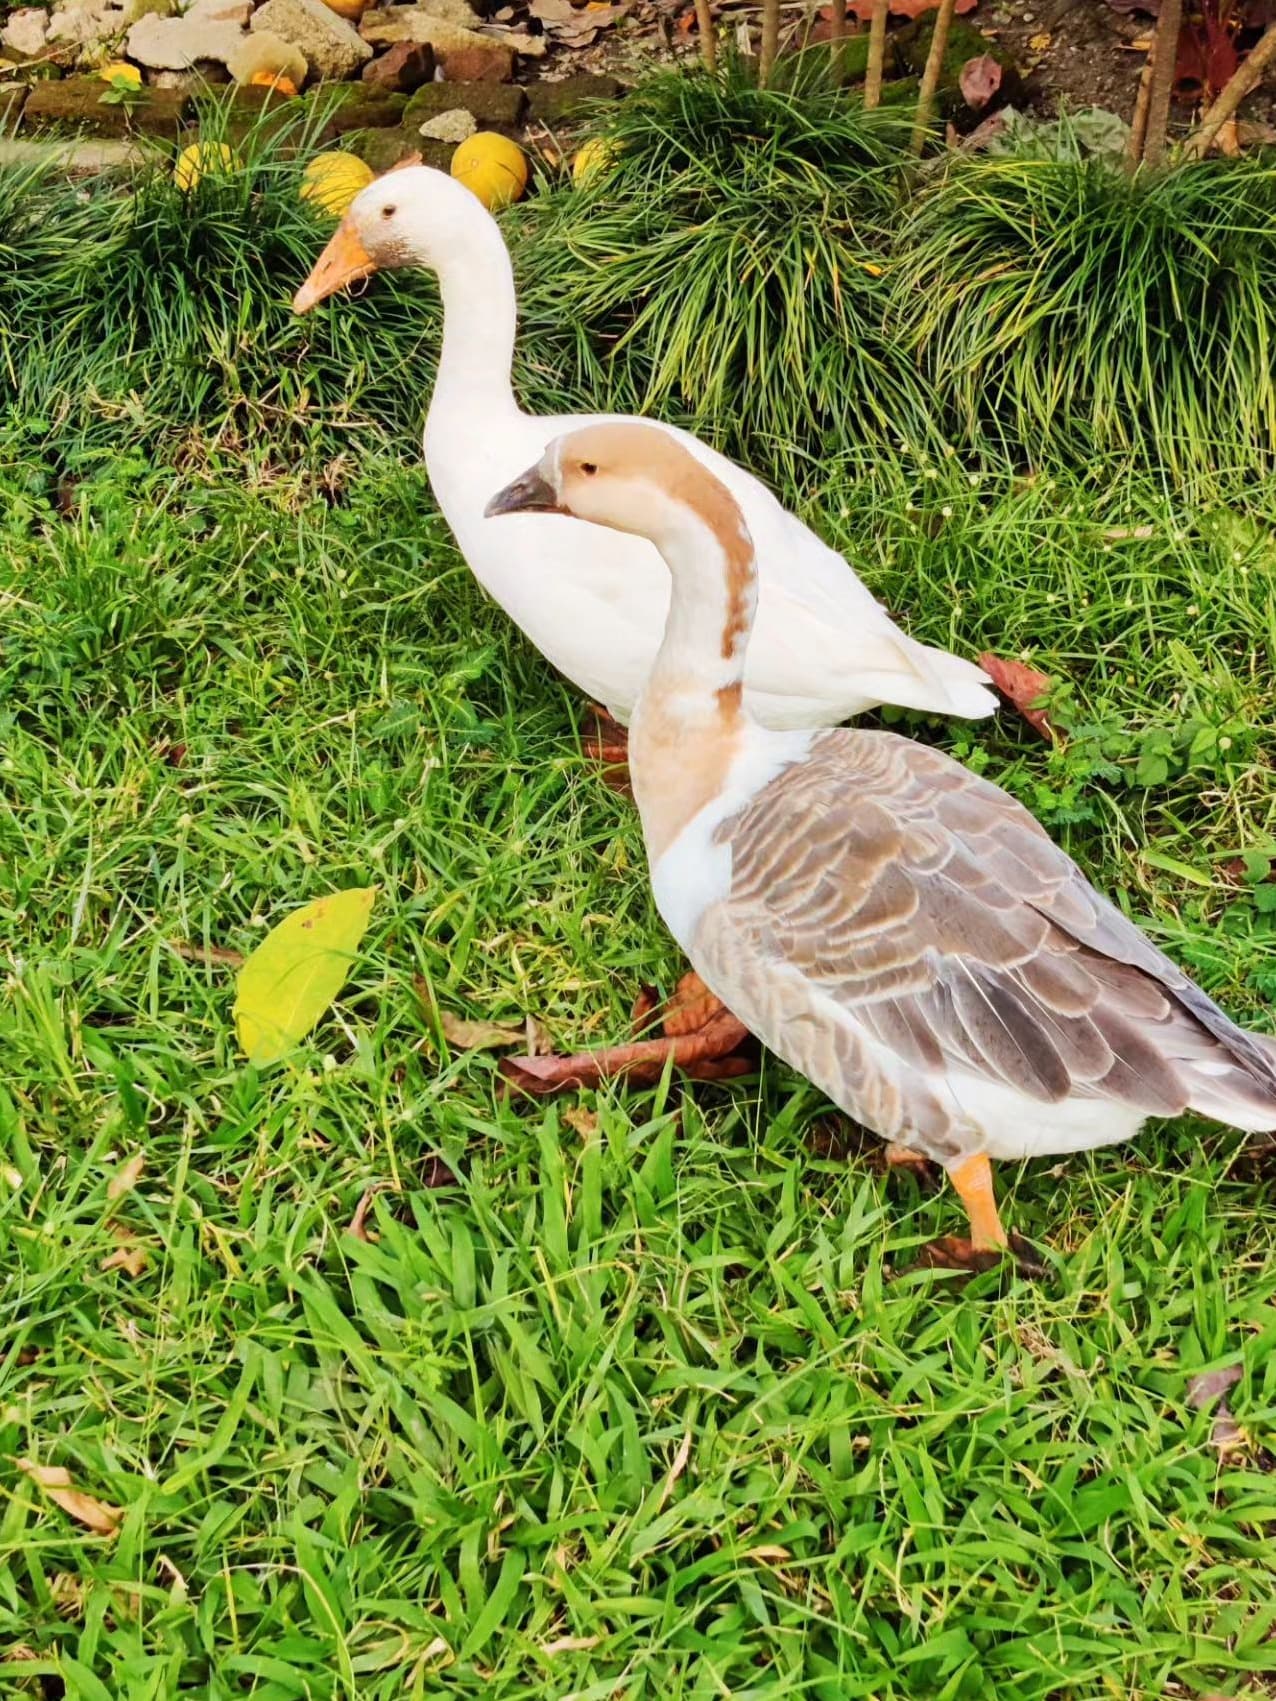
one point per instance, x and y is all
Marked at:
(529, 493)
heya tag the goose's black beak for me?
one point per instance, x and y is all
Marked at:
(529, 493)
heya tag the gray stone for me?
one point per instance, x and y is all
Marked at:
(75, 158)
(493, 106)
(81, 21)
(222, 11)
(26, 31)
(387, 24)
(178, 44)
(333, 48)
(455, 126)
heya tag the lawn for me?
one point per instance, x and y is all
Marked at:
(632, 1395)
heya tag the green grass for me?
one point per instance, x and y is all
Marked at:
(1069, 311)
(631, 1407)
(729, 266)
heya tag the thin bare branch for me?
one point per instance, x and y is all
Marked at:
(1243, 81)
(1165, 50)
(930, 76)
(876, 54)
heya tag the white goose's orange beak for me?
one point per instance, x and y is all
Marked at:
(344, 261)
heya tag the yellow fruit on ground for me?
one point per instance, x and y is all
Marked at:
(276, 80)
(332, 181)
(492, 167)
(202, 159)
(120, 71)
(594, 159)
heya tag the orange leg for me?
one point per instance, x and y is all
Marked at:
(972, 1177)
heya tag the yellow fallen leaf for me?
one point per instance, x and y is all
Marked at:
(585, 1122)
(1141, 44)
(100, 1517)
(126, 1177)
(1039, 43)
(131, 1259)
(295, 973)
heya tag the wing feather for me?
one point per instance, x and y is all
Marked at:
(880, 889)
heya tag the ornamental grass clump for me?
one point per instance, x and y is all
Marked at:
(171, 314)
(728, 268)
(1064, 308)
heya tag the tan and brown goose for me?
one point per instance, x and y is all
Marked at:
(898, 929)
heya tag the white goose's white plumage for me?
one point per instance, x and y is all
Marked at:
(593, 602)
(900, 930)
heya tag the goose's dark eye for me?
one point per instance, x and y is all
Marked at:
(388, 212)
(588, 468)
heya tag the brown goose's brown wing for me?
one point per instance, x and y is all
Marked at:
(881, 878)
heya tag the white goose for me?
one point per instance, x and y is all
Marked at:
(595, 603)
(901, 931)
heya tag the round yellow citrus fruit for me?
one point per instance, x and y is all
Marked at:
(202, 159)
(119, 71)
(595, 158)
(492, 167)
(332, 181)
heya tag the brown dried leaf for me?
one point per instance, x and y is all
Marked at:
(979, 80)
(583, 1122)
(708, 1054)
(358, 1222)
(1202, 1392)
(691, 1008)
(209, 954)
(131, 1259)
(127, 1177)
(480, 1036)
(1023, 687)
(570, 1644)
(99, 1517)
(642, 1017)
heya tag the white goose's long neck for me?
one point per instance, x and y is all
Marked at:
(480, 316)
(689, 720)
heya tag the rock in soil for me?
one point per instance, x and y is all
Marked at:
(26, 31)
(77, 101)
(333, 48)
(383, 148)
(493, 106)
(555, 103)
(402, 67)
(178, 44)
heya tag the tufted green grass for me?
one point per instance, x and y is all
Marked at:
(641, 1403)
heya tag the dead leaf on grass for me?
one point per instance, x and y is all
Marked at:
(1023, 687)
(358, 1222)
(98, 1515)
(490, 1036)
(1040, 43)
(126, 1177)
(584, 1122)
(1202, 1392)
(128, 1256)
(211, 955)
(570, 1644)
